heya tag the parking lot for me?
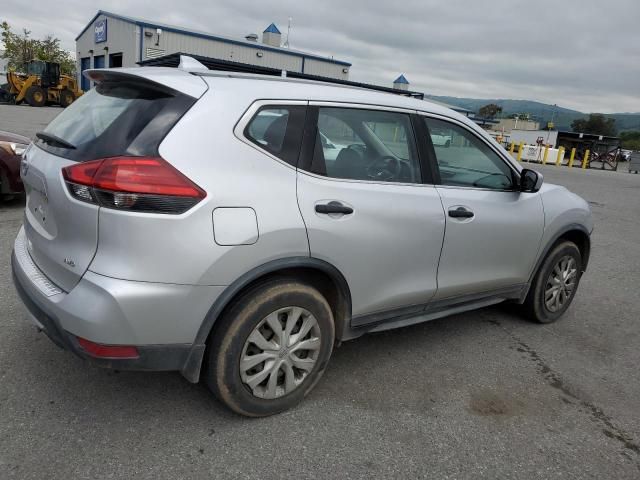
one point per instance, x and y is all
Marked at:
(482, 394)
(26, 120)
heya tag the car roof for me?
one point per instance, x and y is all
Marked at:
(251, 87)
(314, 90)
(266, 86)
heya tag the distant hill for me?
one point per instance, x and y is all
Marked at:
(541, 112)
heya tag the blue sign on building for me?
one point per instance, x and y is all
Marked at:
(100, 31)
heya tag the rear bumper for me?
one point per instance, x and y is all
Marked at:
(151, 357)
(160, 320)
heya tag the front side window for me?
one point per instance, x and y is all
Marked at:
(368, 145)
(465, 160)
(278, 130)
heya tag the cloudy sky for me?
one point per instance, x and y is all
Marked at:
(576, 53)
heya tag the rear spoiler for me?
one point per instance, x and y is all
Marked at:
(164, 78)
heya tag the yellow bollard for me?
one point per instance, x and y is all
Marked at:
(520, 151)
(585, 160)
(571, 157)
(513, 145)
(546, 154)
(559, 158)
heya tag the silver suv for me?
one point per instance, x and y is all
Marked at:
(236, 228)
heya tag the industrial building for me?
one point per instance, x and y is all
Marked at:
(4, 67)
(111, 40)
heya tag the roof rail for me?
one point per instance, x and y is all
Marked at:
(201, 63)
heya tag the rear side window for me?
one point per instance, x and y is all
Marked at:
(120, 116)
(278, 130)
(371, 145)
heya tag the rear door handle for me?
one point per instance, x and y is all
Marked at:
(334, 207)
(460, 212)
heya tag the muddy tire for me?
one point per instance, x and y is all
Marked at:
(66, 98)
(270, 348)
(555, 284)
(36, 96)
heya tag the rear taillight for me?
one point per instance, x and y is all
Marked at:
(140, 184)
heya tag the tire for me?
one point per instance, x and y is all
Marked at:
(534, 305)
(36, 96)
(66, 98)
(230, 343)
(447, 144)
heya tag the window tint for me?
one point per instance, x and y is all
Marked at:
(117, 117)
(465, 160)
(365, 145)
(278, 130)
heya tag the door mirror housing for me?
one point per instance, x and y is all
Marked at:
(530, 181)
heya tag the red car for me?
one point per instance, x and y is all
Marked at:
(12, 146)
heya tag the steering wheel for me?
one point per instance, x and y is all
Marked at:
(384, 168)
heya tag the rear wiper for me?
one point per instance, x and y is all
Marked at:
(55, 141)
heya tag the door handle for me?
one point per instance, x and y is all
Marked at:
(460, 212)
(334, 207)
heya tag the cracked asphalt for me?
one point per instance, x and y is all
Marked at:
(484, 394)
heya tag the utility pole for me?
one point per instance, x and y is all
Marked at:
(553, 115)
(286, 41)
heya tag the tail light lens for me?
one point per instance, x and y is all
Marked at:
(99, 350)
(140, 184)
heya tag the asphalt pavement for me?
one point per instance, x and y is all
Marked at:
(26, 120)
(484, 394)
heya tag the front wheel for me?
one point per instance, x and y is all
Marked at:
(270, 348)
(555, 284)
(36, 96)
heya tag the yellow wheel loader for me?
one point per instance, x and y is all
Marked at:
(43, 84)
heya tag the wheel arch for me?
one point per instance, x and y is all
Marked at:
(575, 233)
(315, 272)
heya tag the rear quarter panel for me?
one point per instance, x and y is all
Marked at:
(182, 249)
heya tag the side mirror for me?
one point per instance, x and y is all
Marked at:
(530, 181)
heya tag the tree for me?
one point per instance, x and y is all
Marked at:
(521, 116)
(596, 124)
(20, 49)
(490, 110)
(630, 140)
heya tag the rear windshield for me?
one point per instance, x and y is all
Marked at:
(119, 117)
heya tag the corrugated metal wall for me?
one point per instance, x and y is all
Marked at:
(124, 37)
(121, 38)
(171, 42)
(325, 69)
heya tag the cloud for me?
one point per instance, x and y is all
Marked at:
(582, 55)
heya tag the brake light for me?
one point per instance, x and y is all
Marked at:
(142, 184)
(100, 350)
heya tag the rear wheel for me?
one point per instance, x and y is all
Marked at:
(555, 284)
(36, 96)
(66, 98)
(271, 348)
